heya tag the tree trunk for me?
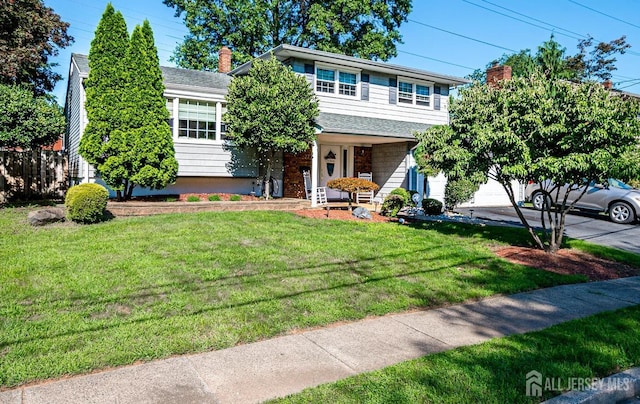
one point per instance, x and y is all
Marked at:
(507, 187)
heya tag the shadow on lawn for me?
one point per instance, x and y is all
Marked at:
(491, 277)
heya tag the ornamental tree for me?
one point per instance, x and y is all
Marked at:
(532, 128)
(364, 28)
(352, 185)
(27, 121)
(271, 110)
(30, 33)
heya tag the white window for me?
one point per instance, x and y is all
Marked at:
(422, 95)
(414, 94)
(347, 84)
(405, 92)
(197, 119)
(336, 81)
(325, 80)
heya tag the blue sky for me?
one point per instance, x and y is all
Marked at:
(511, 26)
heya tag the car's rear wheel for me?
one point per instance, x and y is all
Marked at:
(621, 212)
(538, 199)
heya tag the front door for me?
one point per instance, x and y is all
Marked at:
(331, 168)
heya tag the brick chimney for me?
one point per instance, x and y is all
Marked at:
(497, 73)
(608, 85)
(224, 60)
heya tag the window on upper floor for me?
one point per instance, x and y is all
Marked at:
(328, 81)
(413, 93)
(197, 119)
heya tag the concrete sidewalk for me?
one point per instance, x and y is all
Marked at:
(273, 368)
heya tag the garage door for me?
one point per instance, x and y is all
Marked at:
(493, 194)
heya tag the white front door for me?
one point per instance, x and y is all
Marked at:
(331, 167)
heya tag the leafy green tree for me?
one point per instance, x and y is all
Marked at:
(533, 128)
(364, 28)
(127, 138)
(271, 109)
(30, 33)
(552, 59)
(27, 121)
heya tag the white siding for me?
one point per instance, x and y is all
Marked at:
(74, 114)
(390, 166)
(214, 160)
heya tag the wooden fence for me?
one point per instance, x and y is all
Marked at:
(26, 175)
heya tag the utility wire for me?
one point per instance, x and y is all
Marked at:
(460, 35)
(606, 15)
(436, 60)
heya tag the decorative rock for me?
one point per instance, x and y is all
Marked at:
(45, 216)
(361, 213)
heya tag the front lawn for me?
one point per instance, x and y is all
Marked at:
(77, 298)
(495, 371)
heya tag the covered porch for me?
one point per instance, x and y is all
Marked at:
(348, 145)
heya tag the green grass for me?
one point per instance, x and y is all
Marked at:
(77, 298)
(495, 371)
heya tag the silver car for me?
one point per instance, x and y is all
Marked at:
(619, 200)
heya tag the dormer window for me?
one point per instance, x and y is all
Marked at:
(333, 81)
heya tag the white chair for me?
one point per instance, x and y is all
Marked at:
(365, 196)
(321, 192)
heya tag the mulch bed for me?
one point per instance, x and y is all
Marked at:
(567, 261)
(184, 197)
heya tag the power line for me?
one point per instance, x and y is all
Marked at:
(606, 15)
(534, 19)
(519, 19)
(460, 35)
(581, 37)
(436, 60)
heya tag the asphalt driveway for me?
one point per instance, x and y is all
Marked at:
(593, 228)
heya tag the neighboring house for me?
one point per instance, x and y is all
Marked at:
(369, 112)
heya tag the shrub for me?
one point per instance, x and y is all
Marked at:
(235, 198)
(635, 183)
(86, 203)
(402, 193)
(170, 199)
(458, 191)
(431, 206)
(214, 198)
(392, 205)
(193, 198)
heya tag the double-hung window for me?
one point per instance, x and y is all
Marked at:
(347, 84)
(405, 92)
(197, 119)
(325, 81)
(333, 81)
(414, 94)
(422, 95)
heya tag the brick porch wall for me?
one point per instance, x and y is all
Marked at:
(293, 184)
(361, 160)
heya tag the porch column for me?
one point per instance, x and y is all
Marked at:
(314, 174)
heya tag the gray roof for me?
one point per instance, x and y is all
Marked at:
(285, 51)
(174, 77)
(356, 125)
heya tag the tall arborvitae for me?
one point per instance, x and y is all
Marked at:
(153, 161)
(104, 88)
(127, 138)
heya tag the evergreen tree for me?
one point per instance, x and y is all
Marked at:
(152, 157)
(104, 89)
(128, 138)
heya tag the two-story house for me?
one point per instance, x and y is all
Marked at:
(369, 112)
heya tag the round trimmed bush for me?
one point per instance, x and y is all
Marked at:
(392, 205)
(431, 206)
(402, 193)
(86, 203)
